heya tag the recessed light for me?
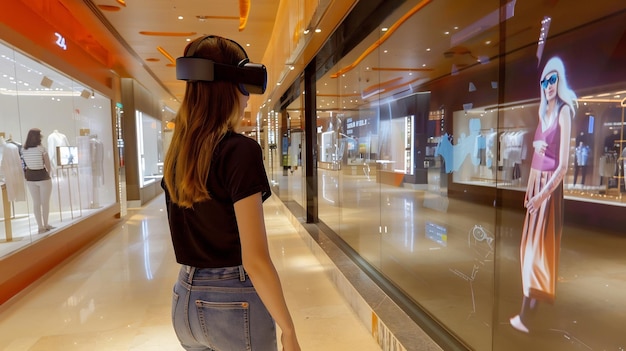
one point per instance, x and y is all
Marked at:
(180, 17)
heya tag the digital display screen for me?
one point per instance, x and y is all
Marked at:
(67, 155)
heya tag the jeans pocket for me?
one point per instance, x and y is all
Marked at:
(226, 325)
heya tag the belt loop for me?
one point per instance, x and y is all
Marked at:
(190, 272)
(242, 274)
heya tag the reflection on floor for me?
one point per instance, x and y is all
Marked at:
(116, 294)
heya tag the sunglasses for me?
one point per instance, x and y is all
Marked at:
(549, 81)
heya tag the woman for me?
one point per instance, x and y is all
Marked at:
(541, 236)
(36, 172)
(228, 294)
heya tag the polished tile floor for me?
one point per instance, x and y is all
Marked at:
(116, 294)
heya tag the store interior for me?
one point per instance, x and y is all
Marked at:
(76, 128)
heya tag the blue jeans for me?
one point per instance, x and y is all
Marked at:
(218, 309)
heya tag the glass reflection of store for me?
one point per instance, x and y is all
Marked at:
(149, 148)
(146, 134)
(598, 147)
(444, 122)
(76, 128)
(391, 186)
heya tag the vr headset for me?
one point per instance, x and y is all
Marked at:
(250, 77)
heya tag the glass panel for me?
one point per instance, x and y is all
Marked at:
(292, 181)
(149, 147)
(330, 153)
(75, 124)
(14, 194)
(399, 90)
(564, 86)
(430, 146)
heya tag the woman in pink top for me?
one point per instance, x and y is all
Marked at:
(541, 236)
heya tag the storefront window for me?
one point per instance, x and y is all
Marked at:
(149, 148)
(445, 165)
(75, 125)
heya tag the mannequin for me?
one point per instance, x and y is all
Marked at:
(55, 139)
(582, 161)
(11, 167)
(611, 143)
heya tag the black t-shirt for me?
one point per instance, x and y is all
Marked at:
(206, 236)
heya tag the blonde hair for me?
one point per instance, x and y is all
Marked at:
(208, 111)
(564, 93)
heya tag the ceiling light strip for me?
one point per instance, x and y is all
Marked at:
(382, 39)
(123, 42)
(168, 34)
(396, 69)
(393, 87)
(166, 54)
(381, 85)
(244, 12)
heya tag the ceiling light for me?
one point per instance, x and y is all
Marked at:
(180, 17)
(109, 8)
(306, 31)
(384, 29)
(318, 30)
(166, 54)
(244, 13)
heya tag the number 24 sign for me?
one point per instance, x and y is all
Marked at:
(61, 41)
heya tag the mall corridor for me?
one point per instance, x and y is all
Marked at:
(116, 293)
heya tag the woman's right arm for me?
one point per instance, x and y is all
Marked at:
(46, 160)
(257, 262)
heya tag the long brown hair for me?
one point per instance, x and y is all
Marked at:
(208, 111)
(33, 139)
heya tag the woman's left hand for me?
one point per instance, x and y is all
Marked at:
(534, 203)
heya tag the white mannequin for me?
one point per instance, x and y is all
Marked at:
(11, 167)
(55, 139)
(97, 167)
